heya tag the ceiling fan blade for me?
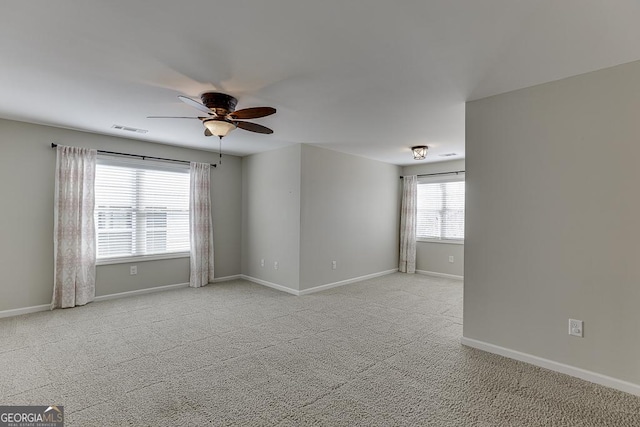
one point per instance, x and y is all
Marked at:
(207, 132)
(253, 127)
(252, 113)
(194, 104)
(173, 117)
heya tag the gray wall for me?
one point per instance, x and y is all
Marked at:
(305, 207)
(27, 166)
(552, 221)
(271, 216)
(434, 257)
(349, 213)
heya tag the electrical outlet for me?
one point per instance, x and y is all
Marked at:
(450, 258)
(133, 270)
(334, 265)
(262, 262)
(575, 328)
(275, 265)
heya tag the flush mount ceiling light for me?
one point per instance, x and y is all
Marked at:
(419, 152)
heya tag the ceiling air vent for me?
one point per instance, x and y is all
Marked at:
(447, 154)
(128, 129)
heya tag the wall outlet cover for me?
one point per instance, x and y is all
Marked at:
(575, 328)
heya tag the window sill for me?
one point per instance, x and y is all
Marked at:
(446, 242)
(142, 258)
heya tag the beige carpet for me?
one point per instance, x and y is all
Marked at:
(382, 352)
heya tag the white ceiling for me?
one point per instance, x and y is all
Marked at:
(367, 77)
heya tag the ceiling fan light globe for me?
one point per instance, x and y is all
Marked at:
(219, 128)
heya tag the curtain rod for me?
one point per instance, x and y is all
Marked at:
(439, 173)
(54, 145)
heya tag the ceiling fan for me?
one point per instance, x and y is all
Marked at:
(222, 116)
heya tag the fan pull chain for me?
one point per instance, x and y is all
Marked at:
(220, 151)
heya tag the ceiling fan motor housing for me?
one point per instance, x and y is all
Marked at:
(219, 101)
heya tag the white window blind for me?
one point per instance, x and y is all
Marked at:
(440, 210)
(142, 209)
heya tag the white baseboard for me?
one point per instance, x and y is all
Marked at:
(593, 377)
(346, 282)
(34, 309)
(269, 284)
(24, 310)
(227, 278)
(316, 288)
(159, 289)
(47, 307)
(141, 292)
(435, 274)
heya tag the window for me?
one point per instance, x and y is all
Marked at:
(441, 210)
(142, 209)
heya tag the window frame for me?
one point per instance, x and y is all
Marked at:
(105, 159)
(454, 177)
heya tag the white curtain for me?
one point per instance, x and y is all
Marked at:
(200, 226)
(74, 237)
(408, 224)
